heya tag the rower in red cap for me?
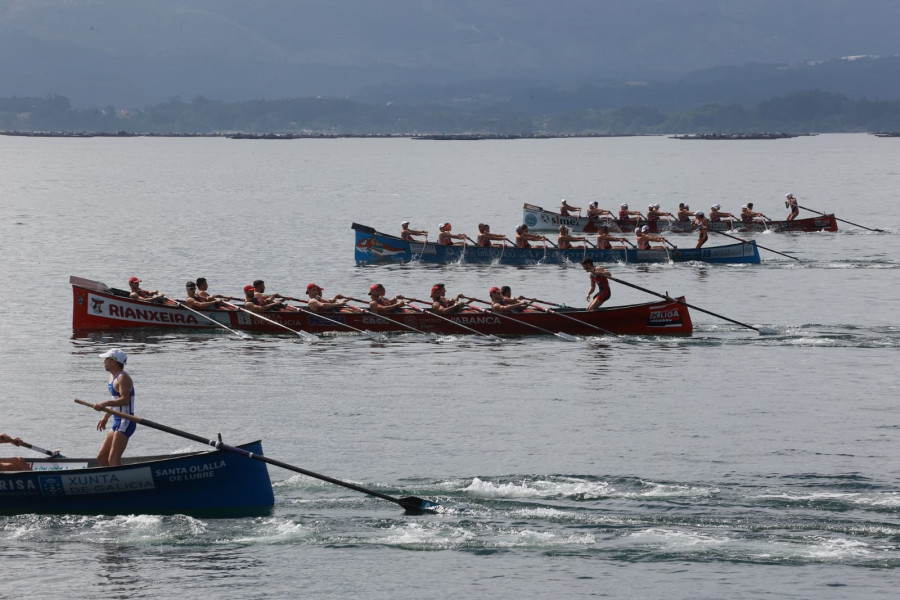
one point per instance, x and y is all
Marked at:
(380, 304)
(138, 294)
(505, 305)
(319, 304)
(443, 305)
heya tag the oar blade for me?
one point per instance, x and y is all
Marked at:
(567, 337)
(413, 504)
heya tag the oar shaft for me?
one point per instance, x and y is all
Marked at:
(643, 289)
(234, 449)
(210, 319)
(51, 453)
(758, 245)
(381, 316)
(519, 321)
(303, 334)
(442, 318)
(841, 220)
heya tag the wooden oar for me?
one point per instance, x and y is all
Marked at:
(842, 220)
(758, 245)
(559, 334)
(670, 299)
(376, 336)
(441, 317)
(409, 503)
(381, 316)
(579, 321)
(50, 453)
(309, 337)
(210, 319)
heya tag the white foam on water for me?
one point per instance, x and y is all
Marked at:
(538, 488)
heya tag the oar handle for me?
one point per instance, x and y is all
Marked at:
(50, 453)
(409, 503)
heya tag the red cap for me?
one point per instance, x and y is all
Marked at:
(312, 287)
(374, 287)
(435, 288)
(494, 289)
(133, 280)
(248, 287)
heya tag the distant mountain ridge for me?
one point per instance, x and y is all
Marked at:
(131, 54)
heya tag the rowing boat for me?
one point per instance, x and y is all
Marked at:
(97, 307)
(542, 221)
(204, 483)
(376, 247)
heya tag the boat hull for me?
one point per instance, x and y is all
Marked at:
(543, 221)
(376, 247)
(92, 302)
(207, 483)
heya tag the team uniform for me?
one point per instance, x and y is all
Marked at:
(123, 426)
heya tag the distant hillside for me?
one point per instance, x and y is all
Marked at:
(134, 54)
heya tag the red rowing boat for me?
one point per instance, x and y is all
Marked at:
(99, 307)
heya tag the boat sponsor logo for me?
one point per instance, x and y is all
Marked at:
(201, 471)
(79, 483)
(530, 219)
(372, 245)
(97, 305)
(420, 249)
(58, 466)
(477, 320)
(12, 487)
(149, 314)
(665, 317)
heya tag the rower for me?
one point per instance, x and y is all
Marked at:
(13, 463)
(564, 241)
(629, 215)
(443, 305)
(654, 214)
(506, 292)
(192, 300)
(684, 212)
(445, 238)
(716, 215)
(502, 305)
(748, 214)
(485, 237)
(599, 282)
(256, 304)
(317, 303)
(791, 204)
(523, 238)
(604, 239)
(701, 223)
(566, 209)
(147, 296)
(380, 304)
(407, 234)
(643, 239)
(259, 288)
(594, 211)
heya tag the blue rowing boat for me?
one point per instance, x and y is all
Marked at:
(375, 247)
(207, 483)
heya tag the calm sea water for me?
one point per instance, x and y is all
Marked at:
(728, 464)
